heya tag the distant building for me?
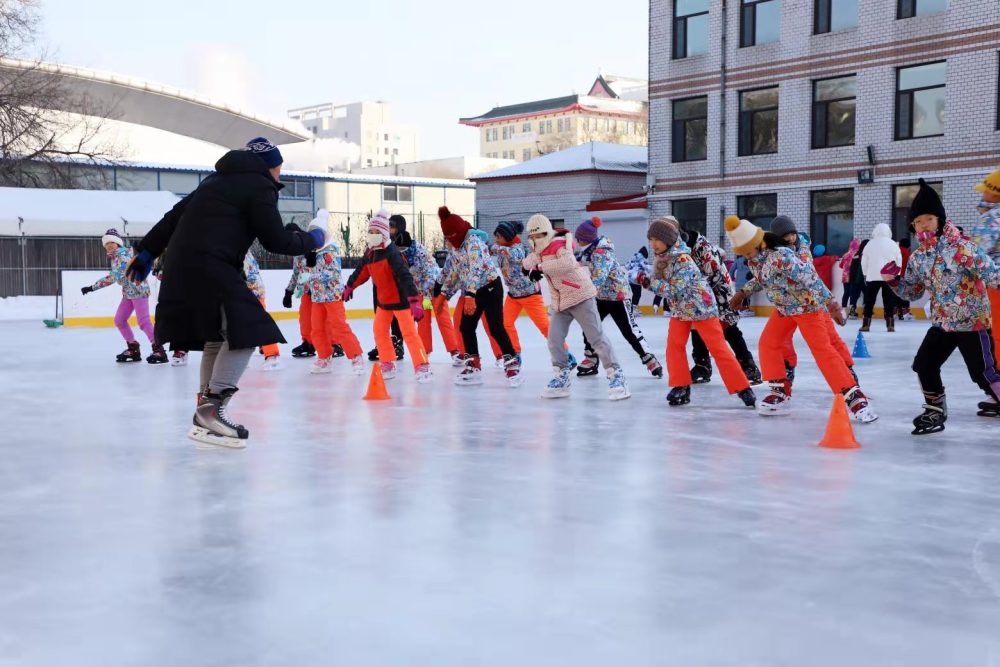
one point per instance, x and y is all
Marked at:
(367, 124)
(614, 110)
(449, 167)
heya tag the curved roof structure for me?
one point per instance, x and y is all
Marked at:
(154, 105)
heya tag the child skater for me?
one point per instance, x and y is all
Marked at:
(425, 272)
(596, 253)
(297, 287)
(710, 259)
(573, 297)
(135, 297)
(678, 280)
(473, 270)
(957, 274)
(251, 271)
(328, 317)
(800, 300)
(638, 264)
(397, 298)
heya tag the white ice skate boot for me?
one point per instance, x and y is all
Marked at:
(272, 363)
(424, 374)
(858, 405)
(457, 359)
(512, 368)
(179, 358)
(558, 386)
(212, 426)
(776, 403)
(617, 386)
(388, 370)
(322, 366)
(358, 365)
(471, 374)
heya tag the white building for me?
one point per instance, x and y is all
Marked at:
(367, 124)
(448, 167)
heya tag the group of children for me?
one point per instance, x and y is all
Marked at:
(587, 284)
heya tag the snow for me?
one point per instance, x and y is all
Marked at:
(41, 212)
(36, 308)
(485, 526)
(592, 155)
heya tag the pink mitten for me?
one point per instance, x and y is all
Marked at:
(891, 271)
(416, 308)
(348, 291)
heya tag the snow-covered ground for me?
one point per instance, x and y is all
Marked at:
(28, 308)
(485, 526)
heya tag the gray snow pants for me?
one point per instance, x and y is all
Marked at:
(586, 315)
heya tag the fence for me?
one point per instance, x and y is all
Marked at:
(30, 265)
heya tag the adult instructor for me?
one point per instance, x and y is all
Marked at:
(204, 302)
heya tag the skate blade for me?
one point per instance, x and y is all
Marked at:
(862, 420)
(927, 431)
(619, 397)
(988, 413)
(205, 439)
(515, 382)
(767, 412)
(555, 394)
(701, 381)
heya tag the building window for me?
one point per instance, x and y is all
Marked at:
(691, 213)
(690, 28)
(760, 22)
(526, 127)
(369, 163)
(525, 154)
(759, 121)
(389, 193)
(405, 193)
(541, 127)
(907, 9)
(834, 103)
(758, 209)
(902, 197)
(395, 151)
(833, 219)
(296, 189)
(834, 16)
(487, 135)
(504, 134)
(548, 127)
(385, 151)
(386, 137)
(920, 94)
(690, 129)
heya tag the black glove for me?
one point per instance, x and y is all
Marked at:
(86, 290)
(287, 301)
(437, 289)
(138, 269)
(535, 275)
(311, 258)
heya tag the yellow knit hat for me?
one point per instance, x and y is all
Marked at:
(743, 234)
(990, 184)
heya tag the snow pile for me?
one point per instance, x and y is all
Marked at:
(27, 308)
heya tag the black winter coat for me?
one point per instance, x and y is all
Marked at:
(209, 233)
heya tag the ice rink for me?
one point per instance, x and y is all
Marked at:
(486, 526)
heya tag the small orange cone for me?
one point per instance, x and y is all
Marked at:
(839, 432)
(376, 385)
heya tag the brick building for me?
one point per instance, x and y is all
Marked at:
(823, 110)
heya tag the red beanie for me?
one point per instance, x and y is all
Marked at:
(453, 227)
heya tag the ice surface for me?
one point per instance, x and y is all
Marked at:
(485, 526)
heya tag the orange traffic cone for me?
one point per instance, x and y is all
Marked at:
(376, 385)
(839, 432)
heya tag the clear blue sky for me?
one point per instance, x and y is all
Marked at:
(434, 61)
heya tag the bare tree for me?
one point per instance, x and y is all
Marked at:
(49, 133)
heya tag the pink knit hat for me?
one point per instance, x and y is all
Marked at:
(380, 224)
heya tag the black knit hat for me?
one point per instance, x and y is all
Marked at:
(782, 225)
(399, 222)
(508, 230)
(927, 201)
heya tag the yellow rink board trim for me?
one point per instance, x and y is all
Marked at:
(762, 311)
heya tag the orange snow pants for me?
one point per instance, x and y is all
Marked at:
(537, 311)
(788, 349)
(407, 327)
(305, 317)
(679, 375)
(272, 349)
(813, 327)
(330, 327)
(438, 312)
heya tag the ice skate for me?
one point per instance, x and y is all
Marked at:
(304, 350)
(571, 360)
(158, 356)
(854, 374)
(890, 325)
(358, 365)
(751, 371)
(272, 363)
(934, 416)
(457, 360)
(397, 346)
(373, 354)
(857, 404)
(471, 374)
(989, 408)
(212, 425)
(617, 386)
(499, 363)
(789, 373)
(558, 386)
(776, 403)
(338, 351)
(587, 367)
(423, 373)
(866, 324)
(679, 396)
(322, 366)
(701, 372)
(512, 368)
(388, 369)
(652, 365)
(131, 353)
(179, 358)
(748, 397)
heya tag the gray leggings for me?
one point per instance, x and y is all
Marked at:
(221, 366)
(590, 321)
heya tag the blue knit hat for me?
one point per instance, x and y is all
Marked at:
(587, 232)
(266, 151)
(508, 230)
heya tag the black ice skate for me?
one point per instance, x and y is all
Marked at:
(304, 350)
(652, 365)
(934, 416)
(679, 396)
(751, 371)
(338, 351)
(130, 354)
(159, 356)
(701, 372)
(587, 367)
(789, 373)
(989, 408)
(212, 425)
(397, 346)
(748, 397)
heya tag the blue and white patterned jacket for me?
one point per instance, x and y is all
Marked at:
(119, 262)
(610, 277)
